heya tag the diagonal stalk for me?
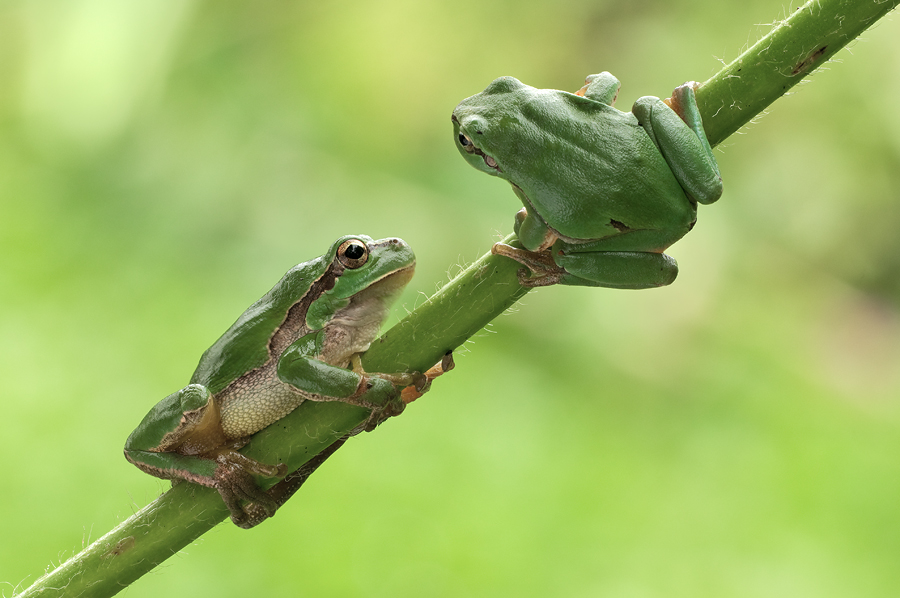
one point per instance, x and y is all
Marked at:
(483, 291)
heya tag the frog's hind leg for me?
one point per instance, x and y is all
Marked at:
(617, 269)
(679, 135)
(235, 481)
(684, 103)
(632, 260)
(612, 269)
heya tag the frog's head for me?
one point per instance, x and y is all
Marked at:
(368, 276)
(481, 124)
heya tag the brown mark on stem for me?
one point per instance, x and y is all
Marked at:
(121, 547)
(810, 62)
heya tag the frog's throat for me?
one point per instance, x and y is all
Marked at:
(360, 320)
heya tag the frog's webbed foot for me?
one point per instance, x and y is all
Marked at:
(279, 494)
(368, 396)
(414, 391)
(371, 385)
(403, 379)
(540, 269)
(235, 483)
(682, 102)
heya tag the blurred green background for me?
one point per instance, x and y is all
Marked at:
(736, 434)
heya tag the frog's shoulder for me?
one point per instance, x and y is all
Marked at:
(245, 345)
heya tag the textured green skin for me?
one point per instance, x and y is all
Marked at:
(162, 419)
(545, 141)
(599, 179)
(244, 345)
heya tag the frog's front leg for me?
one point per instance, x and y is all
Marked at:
(540, 270)
(678, 133)
(380, 393)
(414, 384)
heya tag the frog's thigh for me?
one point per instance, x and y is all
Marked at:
(617, 269)
(636, 241)
(689, 157)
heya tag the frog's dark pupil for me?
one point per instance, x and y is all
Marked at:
(462, 140)
(354, 251)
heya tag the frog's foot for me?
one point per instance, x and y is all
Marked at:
(540, 269)
(405, 379)
(413, 392)
(284, 489)
(683, 102)
(235, 483)
(416, 379)
(380, 411)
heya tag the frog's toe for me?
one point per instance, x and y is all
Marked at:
(248, 503)
(255, 512)
(380, 413)
(236, 484)
(530, 279)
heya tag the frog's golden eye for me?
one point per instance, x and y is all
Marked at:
(466, 143)
(353, 253)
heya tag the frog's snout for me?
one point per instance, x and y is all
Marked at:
(472, 125)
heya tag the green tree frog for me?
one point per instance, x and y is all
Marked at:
(605, 192)
(301, 341)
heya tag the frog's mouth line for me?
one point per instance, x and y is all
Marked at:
(388, 285)
(471, 148)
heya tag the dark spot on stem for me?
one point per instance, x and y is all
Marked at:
(121, 547)
(810, 62)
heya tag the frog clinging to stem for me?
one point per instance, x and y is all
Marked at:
(301, 341)
(605, 192)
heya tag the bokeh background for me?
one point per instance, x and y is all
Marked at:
(736, 434)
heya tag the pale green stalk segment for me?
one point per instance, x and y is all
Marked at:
(136, 545)
(464, 306)
(773, 65)
(486, 289)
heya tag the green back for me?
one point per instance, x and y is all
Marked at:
(580, 162)
(244, 346)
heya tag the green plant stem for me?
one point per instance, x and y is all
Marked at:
(792, 50)
(464, 306)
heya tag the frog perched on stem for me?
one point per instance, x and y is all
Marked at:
(605, 192)
(301, 341)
